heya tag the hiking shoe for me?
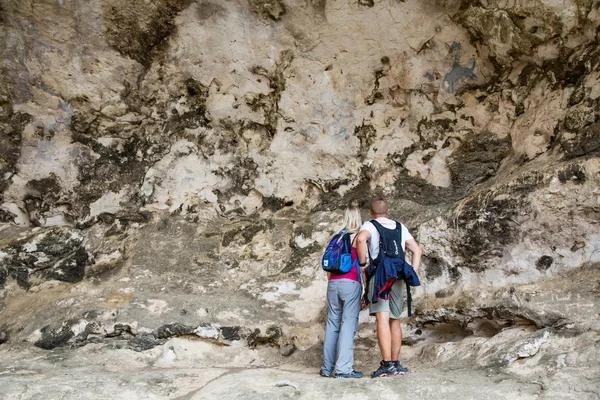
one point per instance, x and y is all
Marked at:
(351, 374)
(400, 369)
(385, 369)
(324, 373)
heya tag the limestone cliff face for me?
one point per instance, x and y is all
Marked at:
(175, 167)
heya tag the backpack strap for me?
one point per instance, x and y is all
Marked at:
(408, 299)
(355, 236)
(380, 229)
(356, 260)
(399, 229)
(343, 233)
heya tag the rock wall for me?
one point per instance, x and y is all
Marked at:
(175, 168)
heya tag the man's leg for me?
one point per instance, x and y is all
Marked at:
(381, 310)
(396, 333)
(384, 335)
(396, 305)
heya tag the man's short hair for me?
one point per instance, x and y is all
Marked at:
(379, 205)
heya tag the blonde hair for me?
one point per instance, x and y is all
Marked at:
(352, 219)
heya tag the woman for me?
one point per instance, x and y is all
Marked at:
(343, 304)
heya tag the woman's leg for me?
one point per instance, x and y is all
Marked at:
(349, 293)
(332, 327)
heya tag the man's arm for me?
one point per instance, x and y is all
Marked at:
(363, 253)
(416, 251)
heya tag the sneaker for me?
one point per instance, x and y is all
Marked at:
(351, 374)
(385, 369)
(324, 373)
(400, 369)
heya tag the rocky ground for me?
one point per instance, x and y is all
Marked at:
(171, 372)
(481, 352)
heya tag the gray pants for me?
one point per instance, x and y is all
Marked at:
(343, 301)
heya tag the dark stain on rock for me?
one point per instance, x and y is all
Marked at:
(299, 254)
(272, 9)
(579, 119)
(431, 131)
(174, 329)
(71, 269)
(4, 334)
(232, 138)
(197, 116)
(586, 142)
(270, 102)
(58, 254)
(120, 330)
(569, 69)
(488, 228)
(577, 245)
(106, 218)
(3, 275)
(242, 171)
(475, 161)
(434, 267)
(207, 10)
(366, 134)
(478, 20)
(52, 338)
(59, 242)
(543, 263)
(573, 173)
(11, 128)
(244, 234)
(376, 94)
(509, 315)
(273, 203)
(566, 71)
(141, 342)
(20, 274)
(230, 333)
(43, 195)
(135, 28)
(139, 147)
(366, 3)
(98, 273)
(320, 7)
(127, 217)
(440, 294)
(271, 336)
(5, 216)
(287, 347)
(360, 194)
(116, 167)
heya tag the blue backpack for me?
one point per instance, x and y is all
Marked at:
(338, 258)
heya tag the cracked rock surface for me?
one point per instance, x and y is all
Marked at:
(171, 170)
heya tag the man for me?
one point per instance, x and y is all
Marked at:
(387, 312)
